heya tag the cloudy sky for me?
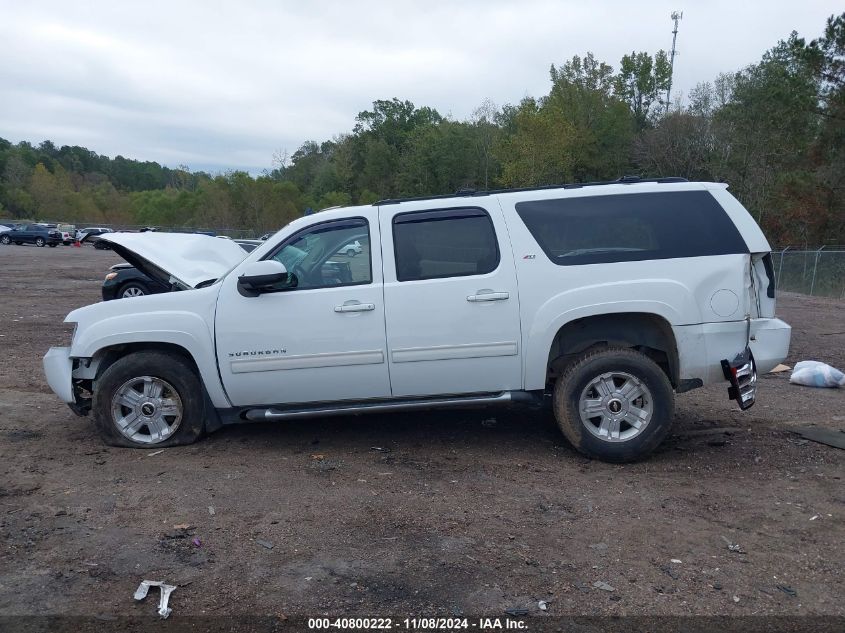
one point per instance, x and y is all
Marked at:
(219, 85)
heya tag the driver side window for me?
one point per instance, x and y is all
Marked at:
(335, 253)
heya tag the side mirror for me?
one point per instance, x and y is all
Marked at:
(265, 276)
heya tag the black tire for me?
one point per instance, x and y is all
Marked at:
(131, 289)
(5, 240)
(40, 242)
(350, 252)
(18, 243)
(52, 245)
(586, 369)
(172, 368)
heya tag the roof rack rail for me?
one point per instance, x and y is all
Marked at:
(471, 193)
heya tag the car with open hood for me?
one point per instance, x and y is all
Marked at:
(603, 301)
(125, 281)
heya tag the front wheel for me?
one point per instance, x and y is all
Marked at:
(39, 242)
(131, 290)
(149, 399)
(52, 245)
(615, 404)
(5, 240)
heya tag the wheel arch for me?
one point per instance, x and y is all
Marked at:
(647, 332)
(192, 340)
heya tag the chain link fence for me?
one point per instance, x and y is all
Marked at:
(819, 272)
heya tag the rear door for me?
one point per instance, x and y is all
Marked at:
(26, 234)
(451, 301)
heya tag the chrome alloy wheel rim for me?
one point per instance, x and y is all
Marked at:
(146, 410)
(616, 406)
(132, 292)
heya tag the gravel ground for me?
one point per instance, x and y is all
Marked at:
(426, 514)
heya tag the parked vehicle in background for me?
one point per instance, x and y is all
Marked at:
(249, 245)
(607, 299)
(91, 231)
(68, 232)
(124, 281)
(37, 234)
(351, 250)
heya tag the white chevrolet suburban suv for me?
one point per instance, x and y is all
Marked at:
(606, 299)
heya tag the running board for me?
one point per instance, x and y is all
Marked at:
(503, 398)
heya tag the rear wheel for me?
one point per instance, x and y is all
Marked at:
(614, 404)
(350, 252)
(149, 399)
(39, 242)
(133, 289)
(52, 245)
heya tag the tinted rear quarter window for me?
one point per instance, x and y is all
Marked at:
(444, 243)
(630, 227)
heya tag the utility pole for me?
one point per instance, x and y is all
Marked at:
(676, 17)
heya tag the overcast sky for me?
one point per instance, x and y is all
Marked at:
(220, 85)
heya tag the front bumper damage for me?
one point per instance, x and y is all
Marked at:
(741, 373)
(58, 369)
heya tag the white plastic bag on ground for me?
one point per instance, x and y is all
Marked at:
(812, 373)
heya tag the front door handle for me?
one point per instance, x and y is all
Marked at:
(488, 295)
(354, 306)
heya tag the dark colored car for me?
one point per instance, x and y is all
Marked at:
(32, 234)
(124, 281)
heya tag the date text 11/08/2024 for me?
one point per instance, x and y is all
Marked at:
(408, 624)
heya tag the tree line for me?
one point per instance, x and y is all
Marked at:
(775, 131)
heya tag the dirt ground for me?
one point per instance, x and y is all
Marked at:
(420, 515)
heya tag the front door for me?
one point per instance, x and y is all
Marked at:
(322, 340)
(451, 300)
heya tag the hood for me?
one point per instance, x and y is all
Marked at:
(184, 259)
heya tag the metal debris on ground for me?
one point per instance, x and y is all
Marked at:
(733, 547)
(542, 605)
(789, 591)
(166, 590)
(829, 437)
(154, 453)
(516, 611)
(266, 544)
(603, 586)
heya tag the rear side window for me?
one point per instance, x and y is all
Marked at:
(631, 227)
(444, 243)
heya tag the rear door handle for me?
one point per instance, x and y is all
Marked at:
(354, 306)
(488, 295)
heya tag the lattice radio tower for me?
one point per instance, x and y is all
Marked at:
(676, 17)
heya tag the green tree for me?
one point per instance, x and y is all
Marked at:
(641, 82)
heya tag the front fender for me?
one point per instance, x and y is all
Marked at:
(162, 318)
(667, 297)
